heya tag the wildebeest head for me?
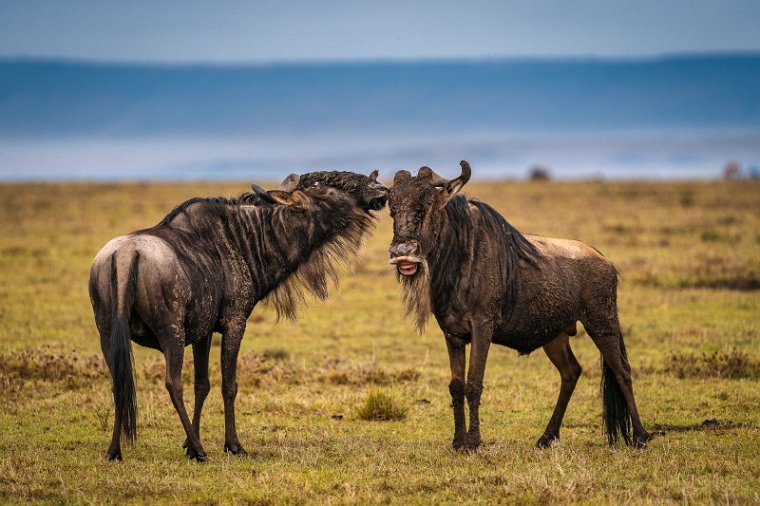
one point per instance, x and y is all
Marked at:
(370, 194)
(413, 202)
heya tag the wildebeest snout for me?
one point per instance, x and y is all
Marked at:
(404, 249)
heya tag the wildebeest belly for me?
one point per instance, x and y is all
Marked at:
(535, 324)
(528, 340)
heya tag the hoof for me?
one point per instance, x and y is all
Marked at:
(236, 450)
(458, 442)
(547, 441)
(468, 443)
(640, 441)
(197, 456)
(111, 456)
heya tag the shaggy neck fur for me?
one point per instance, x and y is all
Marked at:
(286, 252)
(449, 243)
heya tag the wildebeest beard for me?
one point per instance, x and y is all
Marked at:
(415, 293)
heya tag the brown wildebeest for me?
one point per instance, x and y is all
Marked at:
(204, 267)
(486, 282)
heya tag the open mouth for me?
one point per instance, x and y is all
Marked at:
(406, 266)
(377, 203)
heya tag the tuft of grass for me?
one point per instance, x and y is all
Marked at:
(733, 364)
(710, 236)
(381, 406)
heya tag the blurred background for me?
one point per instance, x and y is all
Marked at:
(191, 90)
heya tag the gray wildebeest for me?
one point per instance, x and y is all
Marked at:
(204, 267)
(487, 283)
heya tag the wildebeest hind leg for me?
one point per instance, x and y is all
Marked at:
(114, 449)
(201, 351)
(619, 403)
(456, 389)
(174, 353)
(562, 357)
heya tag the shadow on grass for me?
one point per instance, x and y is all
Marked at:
(713, 424)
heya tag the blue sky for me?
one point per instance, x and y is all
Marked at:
(265, 31)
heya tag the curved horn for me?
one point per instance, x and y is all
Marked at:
(466, 171)
(262, 193)
(448, 189)
(290, 183)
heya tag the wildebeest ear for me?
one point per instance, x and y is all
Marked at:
(450, 188)
(296, 199)
(290, 183)
(425, 172)
(373, 175)
(401, 175)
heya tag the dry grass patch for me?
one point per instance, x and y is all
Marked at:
(733, 364)
(50, 364)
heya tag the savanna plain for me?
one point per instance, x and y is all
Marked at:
(689, 260)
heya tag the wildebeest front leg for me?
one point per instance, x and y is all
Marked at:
(456, 389)
(174, 354)
(230, 348)
(201, 351)
(562, 357)
(481, 341)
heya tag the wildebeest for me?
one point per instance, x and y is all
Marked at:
(204, 267)
(486, 282)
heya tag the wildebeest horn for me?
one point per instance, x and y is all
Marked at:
(401, 175)
(290, 183)
(262, 193)
(466, 171)
(448, 188)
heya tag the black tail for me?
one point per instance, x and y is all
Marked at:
(120, 357)
(617, 419)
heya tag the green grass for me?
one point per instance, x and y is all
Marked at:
(689, 257)
(381, 406)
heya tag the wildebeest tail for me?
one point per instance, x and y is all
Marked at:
(120, 358)
(617, 419)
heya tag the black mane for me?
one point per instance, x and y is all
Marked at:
(245, 199)
(514, 241)
(457, 239)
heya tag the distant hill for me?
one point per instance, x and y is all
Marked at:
(63, 99)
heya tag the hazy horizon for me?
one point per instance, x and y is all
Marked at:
(172, 90)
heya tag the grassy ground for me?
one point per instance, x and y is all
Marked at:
(688, 256)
